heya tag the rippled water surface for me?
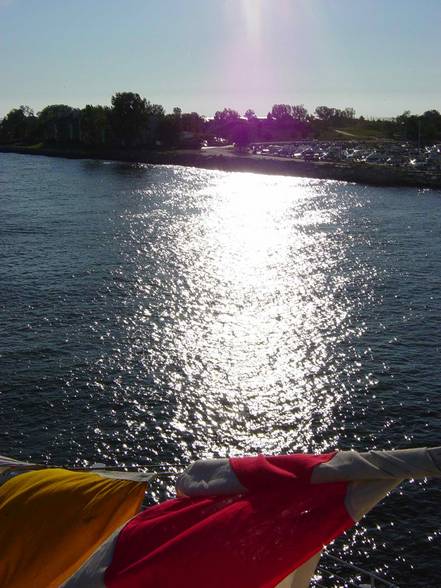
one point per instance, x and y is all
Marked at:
(160, 314)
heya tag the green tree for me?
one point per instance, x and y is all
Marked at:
(155, 110)
(299, 112)
(250, 115)
(430, 127)
(325, 113)
(403, 117)
(130, 118)
(95, 125)
(224, 123)
(240, 135)
(281, 112)
(349, 113)
(18, 125)
(54, 112)
(59, 123)
(169, 130)
(227, 115)
(193, 123)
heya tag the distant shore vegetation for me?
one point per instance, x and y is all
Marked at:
(132, 121)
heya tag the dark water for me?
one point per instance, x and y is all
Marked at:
(160, 314)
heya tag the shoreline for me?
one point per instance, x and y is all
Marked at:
(225, 160)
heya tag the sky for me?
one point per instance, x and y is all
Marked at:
(379, 56)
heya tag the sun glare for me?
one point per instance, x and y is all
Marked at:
(258, 257)
(252, 16)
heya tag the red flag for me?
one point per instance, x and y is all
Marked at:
(251, 540)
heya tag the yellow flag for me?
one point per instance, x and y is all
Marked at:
(52, 520)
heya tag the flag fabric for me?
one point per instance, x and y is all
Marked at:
(248, 540)
(52, 520)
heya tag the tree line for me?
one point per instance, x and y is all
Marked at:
(133, 121)
(130, 121)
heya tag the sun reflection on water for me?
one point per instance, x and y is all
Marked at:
(266, 323)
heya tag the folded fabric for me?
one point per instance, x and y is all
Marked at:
(52, 520)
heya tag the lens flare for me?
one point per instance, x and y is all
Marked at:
(252, 17)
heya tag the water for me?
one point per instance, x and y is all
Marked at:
(160, 314)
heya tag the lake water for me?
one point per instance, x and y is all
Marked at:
(161, 314)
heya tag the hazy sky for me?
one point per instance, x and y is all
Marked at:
(379, 56)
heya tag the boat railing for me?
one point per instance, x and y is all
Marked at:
(331, 569)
